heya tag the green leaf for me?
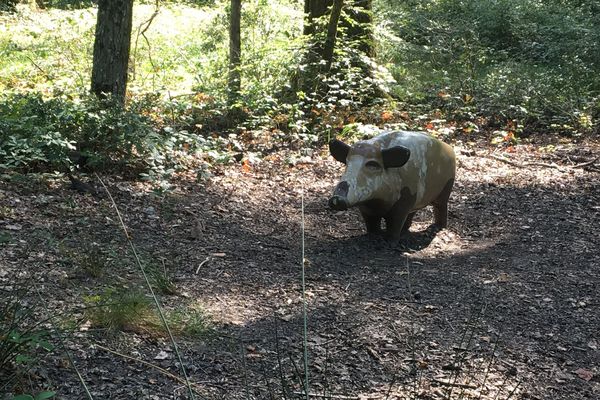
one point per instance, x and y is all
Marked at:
(45, 395)
(22, 359)
(23, 397)
(44, 344)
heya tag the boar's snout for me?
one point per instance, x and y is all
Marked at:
(339, 200)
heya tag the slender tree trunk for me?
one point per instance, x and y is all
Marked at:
(314, 9)
(111, 48)
(360, 28)
(332, 28)
(307, 26)
(235, 50)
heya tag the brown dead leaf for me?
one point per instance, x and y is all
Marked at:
(246, 167)
(584, 374)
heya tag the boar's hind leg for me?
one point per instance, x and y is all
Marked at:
(373, 223)
(440, 205)
(408, 222)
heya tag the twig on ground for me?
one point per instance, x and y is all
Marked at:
(328, 396)
(209, 258)
(526, 164)
(146, 363)
(561, 168)
(454, 384)
(43, 71)
(586, 164)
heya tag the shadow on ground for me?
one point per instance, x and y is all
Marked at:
(503, 304)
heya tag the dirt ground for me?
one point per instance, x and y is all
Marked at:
(503, 304)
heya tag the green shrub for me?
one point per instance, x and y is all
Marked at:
(529, 61)
(190, 321)
(39, 396)
(8, 5)
(61, 134)
(120, 309)
(23, 336)
(68, 4)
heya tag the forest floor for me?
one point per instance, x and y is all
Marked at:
(505, 303)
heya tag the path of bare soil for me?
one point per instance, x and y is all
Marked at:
(503, 304)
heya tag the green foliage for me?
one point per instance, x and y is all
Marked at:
(125, 309)
(40, 396)
(190, 321)
(8, 5)
(68, 4)
(158, 132)
(23, 337)
(61, 134)
(532, 62)
(161, 279)
(522, 63)
(120, 309)
(345, 94)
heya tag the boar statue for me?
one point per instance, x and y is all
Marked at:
(393, 175)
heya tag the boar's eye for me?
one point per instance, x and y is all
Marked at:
(373, 165)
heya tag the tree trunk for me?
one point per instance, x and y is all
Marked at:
(306, 27)
(235, 50)
(332, 28)
(360, 28)
(314, 9)
(111, 49)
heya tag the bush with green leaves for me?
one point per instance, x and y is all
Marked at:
(62, 134)
(24, 338)
(530, 61)
(120, 309)
(67, 4)
(40, 396)
(8, 5)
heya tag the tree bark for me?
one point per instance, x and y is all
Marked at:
(235, 50)
(360, 29)
(314, 9)
(111, 49)
(332, 28)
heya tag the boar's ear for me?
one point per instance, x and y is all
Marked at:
(339, 150)
(395, 157)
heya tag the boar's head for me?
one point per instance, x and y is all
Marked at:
(367, 175)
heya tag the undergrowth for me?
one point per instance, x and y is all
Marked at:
(24, 336)
(473, 67)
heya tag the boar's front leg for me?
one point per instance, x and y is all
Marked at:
(371, 215)
(373, 223)
(399, 215)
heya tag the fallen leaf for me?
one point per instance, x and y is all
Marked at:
(162, 355)
(246, 167)
(584, 374)
(287, 317)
